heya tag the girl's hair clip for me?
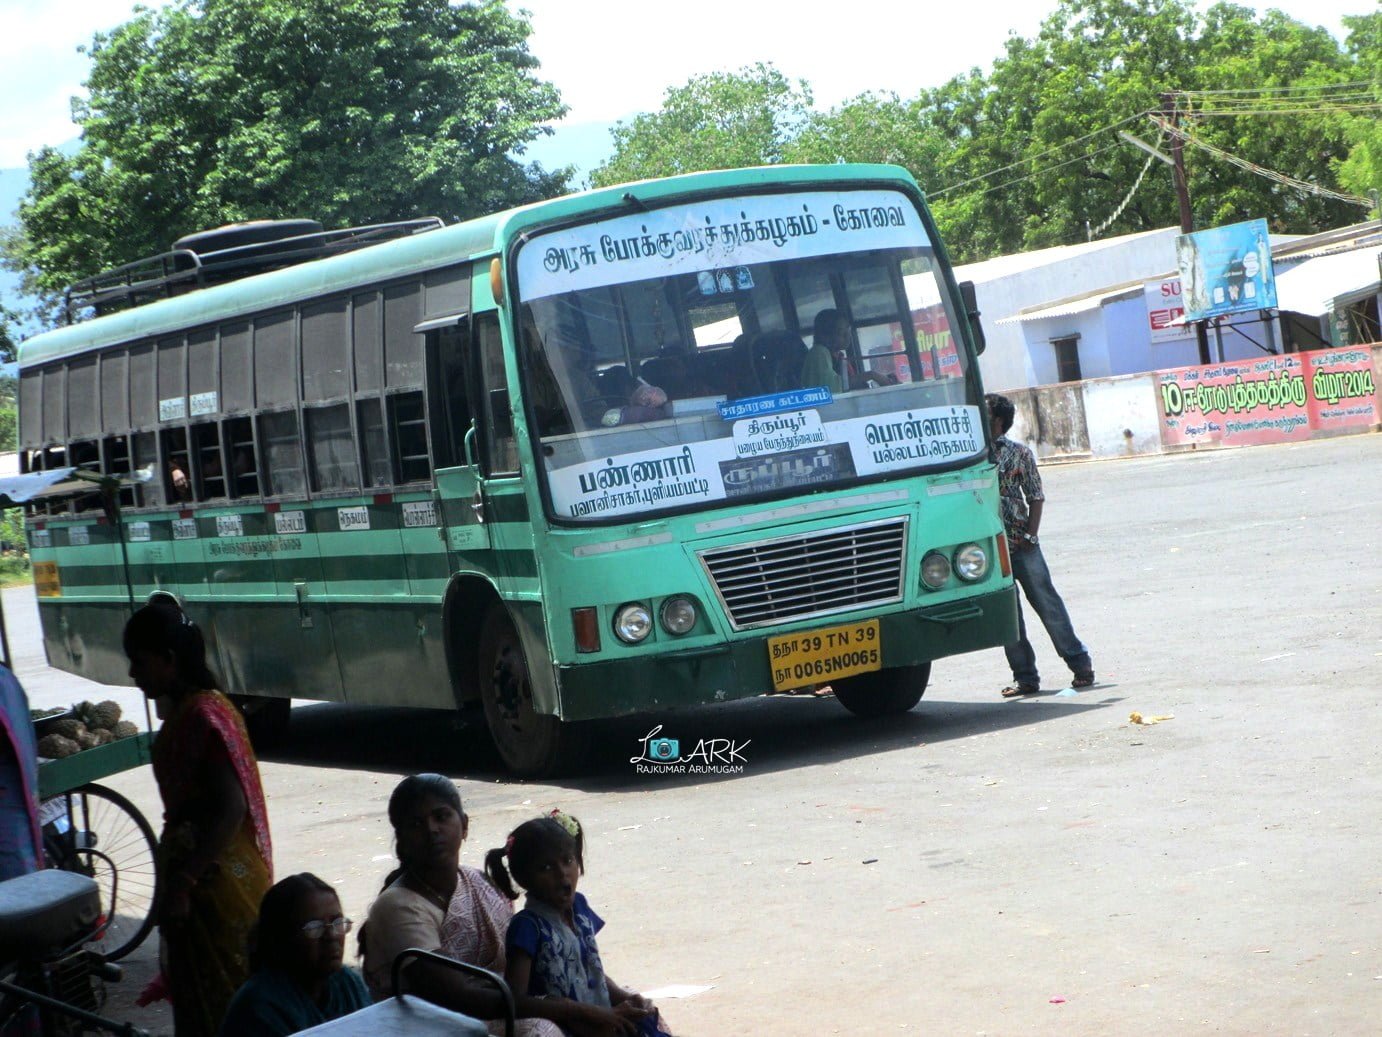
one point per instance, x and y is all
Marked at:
(508, 846)
(572, 826)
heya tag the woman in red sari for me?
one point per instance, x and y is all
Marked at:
(214, 853)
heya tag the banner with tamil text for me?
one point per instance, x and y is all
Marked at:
(1273, 400)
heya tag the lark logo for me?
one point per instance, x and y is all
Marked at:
(662, 755)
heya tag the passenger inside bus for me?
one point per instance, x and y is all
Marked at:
(829, 338)
(177, 477)
(773, 362)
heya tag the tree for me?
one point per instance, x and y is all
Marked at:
(346, 111)
(1361, 171)
(718, 121)
(9, 344)
(873, 128)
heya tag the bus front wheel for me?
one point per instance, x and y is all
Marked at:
(531, 744)
(883, 692)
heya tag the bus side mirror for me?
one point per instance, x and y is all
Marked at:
(971, 305)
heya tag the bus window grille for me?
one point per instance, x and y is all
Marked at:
(807, 575)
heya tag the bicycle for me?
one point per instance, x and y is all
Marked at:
(95, 831)
(48, 919)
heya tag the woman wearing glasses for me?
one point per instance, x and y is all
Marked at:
(298, 978)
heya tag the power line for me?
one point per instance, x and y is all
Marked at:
(1269, 104)
(1034, 158)
(1275, 89)
(1313, 110)
(1039, 172)
(1127, 199)
(1253, 167)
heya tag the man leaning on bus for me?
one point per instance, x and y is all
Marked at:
(1019, 488)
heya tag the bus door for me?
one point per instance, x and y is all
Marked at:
(460, 488)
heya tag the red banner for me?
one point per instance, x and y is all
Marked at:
(1343, 389)
(1273, 400)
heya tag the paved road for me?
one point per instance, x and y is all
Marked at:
(1215, 873)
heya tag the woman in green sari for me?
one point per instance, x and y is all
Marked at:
(214, 853)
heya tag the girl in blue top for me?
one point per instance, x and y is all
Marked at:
(551, 942)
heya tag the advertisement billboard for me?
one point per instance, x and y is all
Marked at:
(1226, 270)
(1165, 310)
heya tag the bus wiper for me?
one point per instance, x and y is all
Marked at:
(637, 203)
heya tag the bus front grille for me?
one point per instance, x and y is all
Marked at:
(810, 574)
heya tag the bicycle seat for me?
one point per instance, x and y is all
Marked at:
(45, 912)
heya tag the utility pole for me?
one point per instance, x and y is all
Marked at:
(1171, 109)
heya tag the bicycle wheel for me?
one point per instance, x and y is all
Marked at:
(110, 841)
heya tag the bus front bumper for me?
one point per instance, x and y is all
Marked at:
(739, 669)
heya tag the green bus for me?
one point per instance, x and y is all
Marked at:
(676, 442)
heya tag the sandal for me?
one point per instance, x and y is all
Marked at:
(1083, 680)
(1012, 691)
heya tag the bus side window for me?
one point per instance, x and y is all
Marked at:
(177, 476)
(86, 454)
(154, 492)
(118, 462)
(206, 445)
(331, 448)
(238, 435)
(374, 448)
(278, 431)
(500, 450)
(408, 424)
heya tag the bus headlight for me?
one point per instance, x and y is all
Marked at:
(678, 615)
(971, 562)
(935, 570)
(632, 623)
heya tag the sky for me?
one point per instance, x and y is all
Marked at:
(613, 58)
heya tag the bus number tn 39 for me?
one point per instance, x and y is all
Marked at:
(824, 654)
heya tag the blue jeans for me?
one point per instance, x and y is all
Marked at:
(1032, 575)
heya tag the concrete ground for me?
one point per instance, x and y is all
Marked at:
(978, 866)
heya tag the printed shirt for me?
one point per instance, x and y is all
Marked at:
(566, 963)
(1018, 483)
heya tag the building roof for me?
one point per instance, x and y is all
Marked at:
(1318, 285)
(1005, 266)
(1076, 304)
(1311, 285)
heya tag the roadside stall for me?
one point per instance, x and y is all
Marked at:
(87, 827)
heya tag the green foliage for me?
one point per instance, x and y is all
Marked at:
(9, 342)
(346, 111)
(1361, 171)
(718, 121)
(1026, 154)
(15, 558)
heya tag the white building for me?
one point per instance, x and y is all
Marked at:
(1110, 320)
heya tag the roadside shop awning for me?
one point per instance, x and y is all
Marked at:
(1319, 285)
(63, 482)
(20, 489)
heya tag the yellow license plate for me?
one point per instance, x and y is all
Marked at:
(47, 583)
(820, 656)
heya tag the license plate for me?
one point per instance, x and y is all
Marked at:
(820, 656)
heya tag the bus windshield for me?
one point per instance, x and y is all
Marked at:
(738, 348)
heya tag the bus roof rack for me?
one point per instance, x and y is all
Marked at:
(225, 254)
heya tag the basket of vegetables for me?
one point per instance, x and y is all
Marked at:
(88, 741)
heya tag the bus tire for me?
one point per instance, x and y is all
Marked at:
(530, 744)
(883, 692)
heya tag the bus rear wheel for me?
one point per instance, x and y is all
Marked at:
(883, 692)
(531, 744)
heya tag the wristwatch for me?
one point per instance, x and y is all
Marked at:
(1030, 538)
